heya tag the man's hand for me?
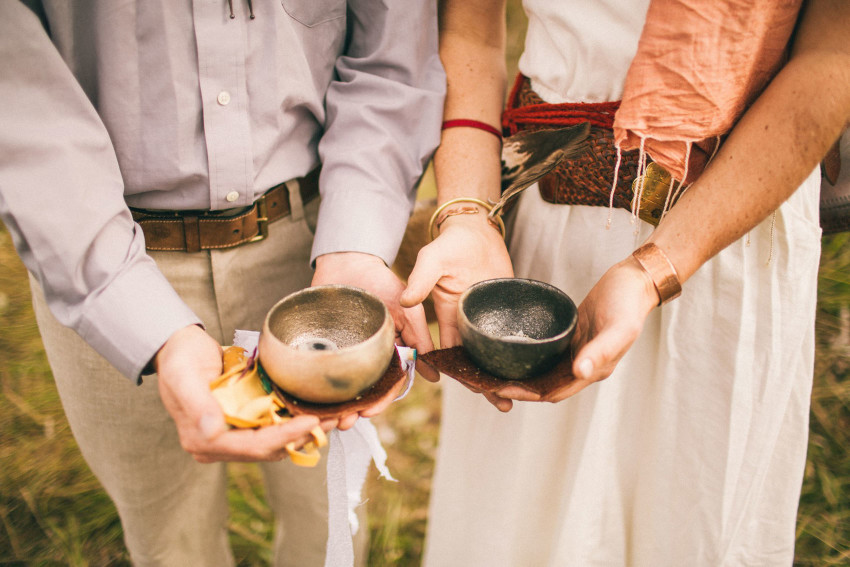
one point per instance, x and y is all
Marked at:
(347, 421)
(370, 273)
(186, 365)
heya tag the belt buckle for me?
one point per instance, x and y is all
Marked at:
(262, 220)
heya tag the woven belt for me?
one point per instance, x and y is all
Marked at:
(193, 231)
(587, 178)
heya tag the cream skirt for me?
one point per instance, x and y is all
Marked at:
(691, 453)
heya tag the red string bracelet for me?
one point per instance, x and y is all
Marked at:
(471, 124)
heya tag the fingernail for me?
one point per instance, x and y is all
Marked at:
(585, 368)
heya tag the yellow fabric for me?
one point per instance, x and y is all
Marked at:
(698, 66)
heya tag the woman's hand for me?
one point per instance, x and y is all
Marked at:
(468, 250)
(609, 321)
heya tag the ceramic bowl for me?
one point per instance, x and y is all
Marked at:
(515, 328)
(326, 344)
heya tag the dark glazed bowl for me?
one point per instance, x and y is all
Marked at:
(326, 344)
(516, 328)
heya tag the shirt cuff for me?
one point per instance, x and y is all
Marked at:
(130, 319)
(362, 220)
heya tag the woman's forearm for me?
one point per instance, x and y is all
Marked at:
(472, 48)
(773, 148)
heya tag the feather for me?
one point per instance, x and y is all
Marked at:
(529, 155)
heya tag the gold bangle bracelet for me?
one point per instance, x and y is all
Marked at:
(661, 271)
(495, 220)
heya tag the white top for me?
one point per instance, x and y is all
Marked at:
(572, 56)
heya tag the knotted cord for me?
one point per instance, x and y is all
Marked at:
(599, 114)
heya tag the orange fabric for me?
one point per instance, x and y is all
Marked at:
(699, 64)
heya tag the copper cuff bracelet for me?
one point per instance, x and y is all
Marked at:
(661, 271)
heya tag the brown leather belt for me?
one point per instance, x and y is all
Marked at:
(193, 231)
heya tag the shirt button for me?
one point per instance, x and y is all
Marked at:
(232, 196)
(223, 98)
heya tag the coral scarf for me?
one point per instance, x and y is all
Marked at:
(699, 64)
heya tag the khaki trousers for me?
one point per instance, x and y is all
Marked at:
(174, 510)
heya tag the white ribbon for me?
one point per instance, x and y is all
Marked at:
(349, 454)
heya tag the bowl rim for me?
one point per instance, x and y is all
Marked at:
(374, 337)
(531, 341)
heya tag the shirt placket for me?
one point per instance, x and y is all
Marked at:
(222, 58)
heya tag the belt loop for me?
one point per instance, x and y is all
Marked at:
(296, 204)
(192, 233)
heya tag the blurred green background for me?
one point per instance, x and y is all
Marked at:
(53, 511)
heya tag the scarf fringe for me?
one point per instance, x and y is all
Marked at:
(672, 196)
(614, 187)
